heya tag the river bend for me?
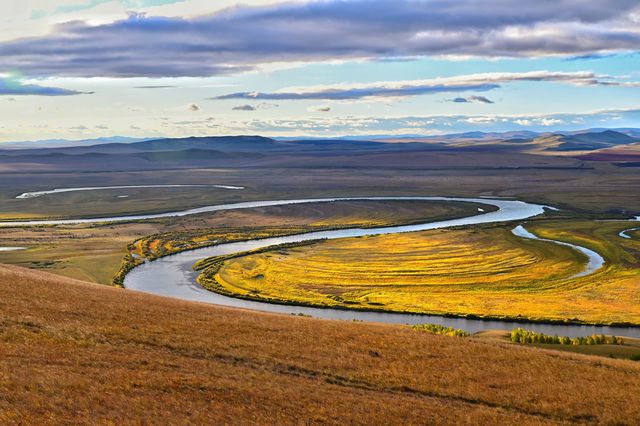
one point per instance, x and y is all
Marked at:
(173, 275)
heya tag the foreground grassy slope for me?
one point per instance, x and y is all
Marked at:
(73, 352)
(478, 271)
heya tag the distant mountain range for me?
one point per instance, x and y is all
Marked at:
(620, 146)
(595, 138)
(584, 141)
(62, 143)
(473, 149)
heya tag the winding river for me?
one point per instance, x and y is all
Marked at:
(27, 195)
(625, 233)
(594, 260)
(173, 275)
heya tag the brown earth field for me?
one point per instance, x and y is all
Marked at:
(79, 353)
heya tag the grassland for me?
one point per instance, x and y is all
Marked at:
(76, 353)
(480, 271)
(630, 347)
(95, 252)
(577, 185)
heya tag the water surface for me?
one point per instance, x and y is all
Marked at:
(27, 195)
(173, 275)
(595, 261)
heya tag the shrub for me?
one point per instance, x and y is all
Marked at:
(440, 329)
(520, 335)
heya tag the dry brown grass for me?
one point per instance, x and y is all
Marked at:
(72, 352)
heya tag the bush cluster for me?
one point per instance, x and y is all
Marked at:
(440, 329)
(520, 335)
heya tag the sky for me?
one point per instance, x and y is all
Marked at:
(82, 69)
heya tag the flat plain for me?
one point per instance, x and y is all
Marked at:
(95, 252)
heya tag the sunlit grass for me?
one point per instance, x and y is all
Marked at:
(484, 272)
(75, 353)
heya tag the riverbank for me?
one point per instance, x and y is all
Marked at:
(94, 252)
(172, 276)
(490, 275)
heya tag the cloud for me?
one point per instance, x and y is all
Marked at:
(247, 107)
(154, 87)
(15, 87)
(359, 92)
(481, 120)
(462, 83)
(244, 108)
(472, 99)
(320, 109)
(434, 124)
(243, 37)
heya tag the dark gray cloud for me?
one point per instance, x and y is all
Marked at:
(461, 83)
(244, 108)
(481, 99)
(360, 93)
(247, 107)
(15, 87)
(239, 38)
(472, 99)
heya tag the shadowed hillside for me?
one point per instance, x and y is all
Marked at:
(589, 141)
(73, 352)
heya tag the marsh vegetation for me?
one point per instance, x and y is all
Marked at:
(486, 272)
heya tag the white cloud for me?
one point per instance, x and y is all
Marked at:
(461, 83)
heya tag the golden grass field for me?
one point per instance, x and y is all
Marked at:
(95, 252)
(482, 271)
(76, 353)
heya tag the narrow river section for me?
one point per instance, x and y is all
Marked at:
(625, 233)
(509, 210)
(27, 195)
(595, 261)
(173, 275)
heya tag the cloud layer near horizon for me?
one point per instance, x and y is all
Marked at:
(462, 83)
(442, 124)
(241, 38)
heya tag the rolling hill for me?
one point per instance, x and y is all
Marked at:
(589, 141)
(511, 149)
(78, 353)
